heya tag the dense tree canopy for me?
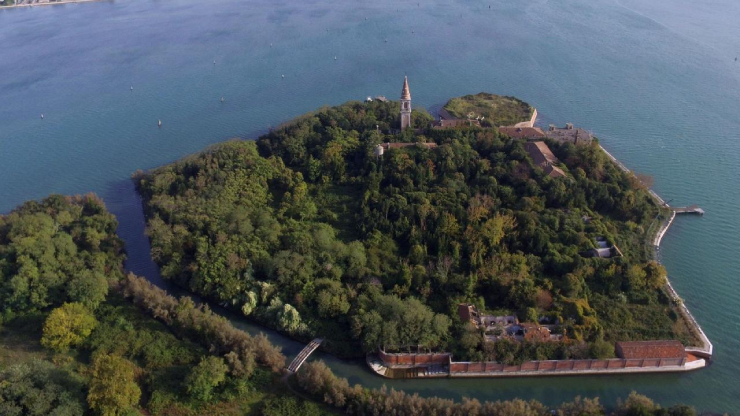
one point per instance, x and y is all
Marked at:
(113, 389)
(39, 388)
(62, 249)
(308, 231)
(67, 325)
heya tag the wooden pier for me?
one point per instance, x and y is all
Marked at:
(691, 209)
(303, 355)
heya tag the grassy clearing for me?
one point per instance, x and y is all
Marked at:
(498, 110)
(19, 341)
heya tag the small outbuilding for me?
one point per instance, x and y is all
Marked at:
(468, 313)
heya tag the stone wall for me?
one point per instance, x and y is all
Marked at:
(414, 359)
(491, 369)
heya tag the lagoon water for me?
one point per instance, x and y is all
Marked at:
(655, 81)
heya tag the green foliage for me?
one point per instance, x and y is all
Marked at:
(67, 325)
(58, 250)
(390, 322)
(113, 390)
(240, 350)
(205, 377)
(497, 110)
(126, 332)
(289, 406)
(39, 388)
(308, 232)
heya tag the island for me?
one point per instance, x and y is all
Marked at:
(402, 246)
(383, 233)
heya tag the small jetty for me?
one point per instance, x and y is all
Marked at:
(691, 209)
(303, 355)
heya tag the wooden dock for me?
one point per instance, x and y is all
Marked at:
(303, 355)
(691, 209)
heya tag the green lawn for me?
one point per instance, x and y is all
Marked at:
(498, 110)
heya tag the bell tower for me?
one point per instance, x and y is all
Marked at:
(405, 105)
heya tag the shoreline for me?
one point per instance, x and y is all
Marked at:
(703, 353)
(48, 4)
(707, 349)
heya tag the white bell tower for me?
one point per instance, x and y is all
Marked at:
(405, 105)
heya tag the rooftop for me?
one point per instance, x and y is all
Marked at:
(650, 349)
(540, 153)
(405, 93)
(522, 132)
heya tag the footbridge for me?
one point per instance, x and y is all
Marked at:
(303, 355)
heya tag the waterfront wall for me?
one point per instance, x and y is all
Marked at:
(706, 349)
(391, 360)
(529, 123)
(530, 368)
(573, 367)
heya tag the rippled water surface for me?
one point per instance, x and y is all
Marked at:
(656, 81)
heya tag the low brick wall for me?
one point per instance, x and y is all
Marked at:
(565, 366)
(392, 359)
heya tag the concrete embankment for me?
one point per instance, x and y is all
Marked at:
(706, 349)
(441, 365)
(529, 123)
(434, 366)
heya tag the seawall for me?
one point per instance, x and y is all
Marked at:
(529, 123)
(441, 366)
(699, 356)
(706, 349)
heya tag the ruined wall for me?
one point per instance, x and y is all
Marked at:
(490, 368)
(391, 360)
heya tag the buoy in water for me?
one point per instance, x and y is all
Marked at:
(132, 88)
(222, 99)
(159, 123)
(214, 62)
(42, 116)
(282, 76)
(335, 57)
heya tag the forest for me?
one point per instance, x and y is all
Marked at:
(70, 344)
(307, 231)
(78, 337)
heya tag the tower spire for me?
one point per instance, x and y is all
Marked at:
(405, 93)
(405, 104)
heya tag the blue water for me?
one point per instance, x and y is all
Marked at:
(656, 81)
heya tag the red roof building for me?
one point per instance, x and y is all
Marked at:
(650, 349)
(522, 132)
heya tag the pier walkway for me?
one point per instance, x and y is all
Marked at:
(303, 355)
(692, 209)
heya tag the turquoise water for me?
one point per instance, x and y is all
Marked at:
(656, 81)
